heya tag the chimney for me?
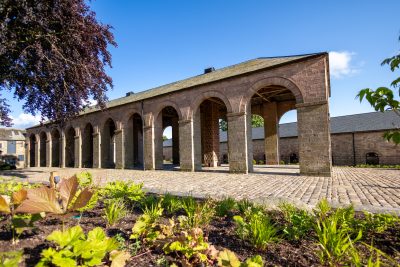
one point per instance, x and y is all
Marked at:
(209, 70)
(129, 93)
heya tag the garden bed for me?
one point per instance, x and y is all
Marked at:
(222, 230)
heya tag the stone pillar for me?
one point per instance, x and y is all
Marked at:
(62, 152)
(271, 122)
(186, 145)
(210, 134)
(237, 142)
(37, 151)
(175, 140)
(158, 143)
(27, 152)
(77, 149)
(129, 145)
(148, 151)
(314, 139)
(119, 148)
(96, 148)
(49, 155)
(198, 156)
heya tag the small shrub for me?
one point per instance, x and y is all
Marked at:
(75, 248)
(129, 191)
(198, 214)
(299, 222)
(225, 207)
(322, 209)
(261, 162)
(244, 205)
(254, 162)
(149, 201)
(114, 211)
(378, 223)
(257, 229)
(85, 179)
(334, 239)
(171, 204)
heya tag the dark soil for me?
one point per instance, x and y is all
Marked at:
(220, 233)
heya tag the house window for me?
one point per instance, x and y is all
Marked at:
(11, 147)
(21, 158)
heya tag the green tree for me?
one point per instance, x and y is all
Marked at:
(53, 56)
(256, 121)
(384, 98)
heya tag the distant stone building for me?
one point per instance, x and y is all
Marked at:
(12, 146)
(355, 139)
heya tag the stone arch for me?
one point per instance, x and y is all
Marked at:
(206, 95)
(207, 112)
(168, 116)
(108, 149)
(55, 148)
(87, 146)
(43, 152)
(70, 147)
(32, 150)
(271, 81)
(134, 141)
(161, 107)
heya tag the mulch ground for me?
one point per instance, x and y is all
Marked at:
(220, 233)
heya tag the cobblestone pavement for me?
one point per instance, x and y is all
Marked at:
(375, 190)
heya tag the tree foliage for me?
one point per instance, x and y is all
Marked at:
(383, 98)
(53, 55)
(256, 121)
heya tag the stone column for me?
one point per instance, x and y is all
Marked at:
(198, 156)
(210, 134)
(186, 145)
(237, 143)
(158, 143)
(271, 122)
(96, 148)
(314, 139)
(62, 148)
(129, 145)
(49, 155)
(27, 152)
(37, 151)
(148, 151)
(119, 148)
(175, 140)
(77, 149)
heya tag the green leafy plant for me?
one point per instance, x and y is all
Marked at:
(192, 246)
(114, 211)
(322, 209)
(10, 258)
(10, 185)
(129, 191)
(244, 205)
(334, 239)
(171, 204)
(256, 228)
(227, 258)
(66, 197)
(378, 223)
(149, 201)
(298, 222)
(147, 226)
(85, 179)
(123, 244)
(225, 207)
(74, 248)
(198, 214)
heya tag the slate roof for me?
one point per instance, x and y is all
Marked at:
(218, 74)
(7, 134)
(364, 122)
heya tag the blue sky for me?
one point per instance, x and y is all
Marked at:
(163, 41)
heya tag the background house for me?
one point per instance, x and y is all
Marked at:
(12, 146)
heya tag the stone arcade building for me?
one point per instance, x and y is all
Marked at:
(128, 133)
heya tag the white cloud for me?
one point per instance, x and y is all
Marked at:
(340, 64)
(24, 120)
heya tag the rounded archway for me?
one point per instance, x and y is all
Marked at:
(70, 148)
(270, 102)
(134, 142)
(209, 118)
(55, 148)
(32, 150)
(108, 151)
(167, 117)
(87, 146)
(43, 152)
